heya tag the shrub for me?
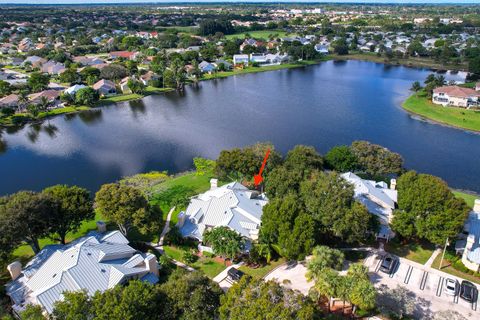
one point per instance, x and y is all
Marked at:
(188, 257)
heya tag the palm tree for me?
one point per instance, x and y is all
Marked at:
(44, 104)
(440, 81)
(265, 250)
(416, 87)
(22, 100)
(327, 284)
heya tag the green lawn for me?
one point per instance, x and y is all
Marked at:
(225, 74)
(260, 34)
(469, 198)
(446, 267)
(120, 98)
(461, 118)
(259, 273)
(418, 252)
(207, 265)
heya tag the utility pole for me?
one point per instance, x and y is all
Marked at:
(443, 254)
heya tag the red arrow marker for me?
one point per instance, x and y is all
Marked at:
(257, 179)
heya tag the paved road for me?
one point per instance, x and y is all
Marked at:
(425, 283)
(295, 274)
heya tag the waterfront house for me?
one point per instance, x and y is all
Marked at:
(206, 67)
(322, 49)
(232, 205)
(73, 89)
(241, 59)
(226, 65)
(52, 96)
(105, 87)
(96, 262)
(470, 247)
(10, 101)
(124, 85)
(378, 198)
(456, 96)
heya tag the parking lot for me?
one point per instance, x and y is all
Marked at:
(427, 284)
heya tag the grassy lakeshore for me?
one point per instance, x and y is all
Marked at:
(421, 105)
(414, 62)
(247, 70)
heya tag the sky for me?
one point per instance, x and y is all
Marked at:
(193, 1)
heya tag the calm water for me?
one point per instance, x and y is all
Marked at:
(325, 105)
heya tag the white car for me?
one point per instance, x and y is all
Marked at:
(451, 287)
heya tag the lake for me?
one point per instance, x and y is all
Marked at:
(323, 105)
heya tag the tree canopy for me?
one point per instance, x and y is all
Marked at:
(427, 208)
(225, 242)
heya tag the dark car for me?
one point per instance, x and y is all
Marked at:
(235, 274)
(468, 291)
(388, 264)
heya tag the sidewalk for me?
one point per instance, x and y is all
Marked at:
(166, 228)
(434, 255)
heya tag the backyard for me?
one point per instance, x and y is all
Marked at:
(420, 104)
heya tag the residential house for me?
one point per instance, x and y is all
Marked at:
(378, 198)
(248, 42)
(241, 59)
(10, 101)
(35, 61)
(147, 77)
(52, 67)
(73, 89)
(52, 96)
(105, 87)
(25, 45)
(86, 61)
(207, 67)
(130, 55)
(94, 263)
(323, 49)
(226, 65)
(471, 245)
(456, 96)
(232, 205)
(124, 85)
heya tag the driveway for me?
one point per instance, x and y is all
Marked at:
(294, 274)
(425, 283)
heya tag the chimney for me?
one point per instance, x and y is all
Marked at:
(15, 269)
(476, 206)
(213, 184)
(181, 219)
(151, 264)
(393, 184)
(101, 226)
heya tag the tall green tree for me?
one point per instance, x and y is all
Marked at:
(26, 216)
(86, 96)
(377, 160)
(224, 241)
(341, 159)
(38, 81)
(428, 209)
(127, 207)
(324, 257)
(191, 296)
(74, 306)
(74, 207)
(258, 300)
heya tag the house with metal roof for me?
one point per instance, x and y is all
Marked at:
(96, 262)
(471, 245)
(378, 198)
(232, 205)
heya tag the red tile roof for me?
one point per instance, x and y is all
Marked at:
(456, 91)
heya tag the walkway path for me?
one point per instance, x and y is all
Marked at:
(221, 278)
(166, 228)
(432, 258)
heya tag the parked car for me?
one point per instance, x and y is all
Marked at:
(451, 287)
(235, 274)
(468, 291)
(388, 264)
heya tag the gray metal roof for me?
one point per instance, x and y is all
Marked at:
(93, 263)
(231, 205)
(474, 233)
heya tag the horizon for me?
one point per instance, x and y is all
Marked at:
(126, 2)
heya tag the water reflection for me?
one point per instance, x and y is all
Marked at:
(91, 117)
(324, 105)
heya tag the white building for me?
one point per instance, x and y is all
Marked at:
(96, 262)
(232, 205)
(471, 251)
(241, 59)
(379, 199)
(456, 96)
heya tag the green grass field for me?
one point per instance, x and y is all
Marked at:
(469, 198)
(418, 252)
(261, 34)
(461, 118)
(207, 265)
(259, 273)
